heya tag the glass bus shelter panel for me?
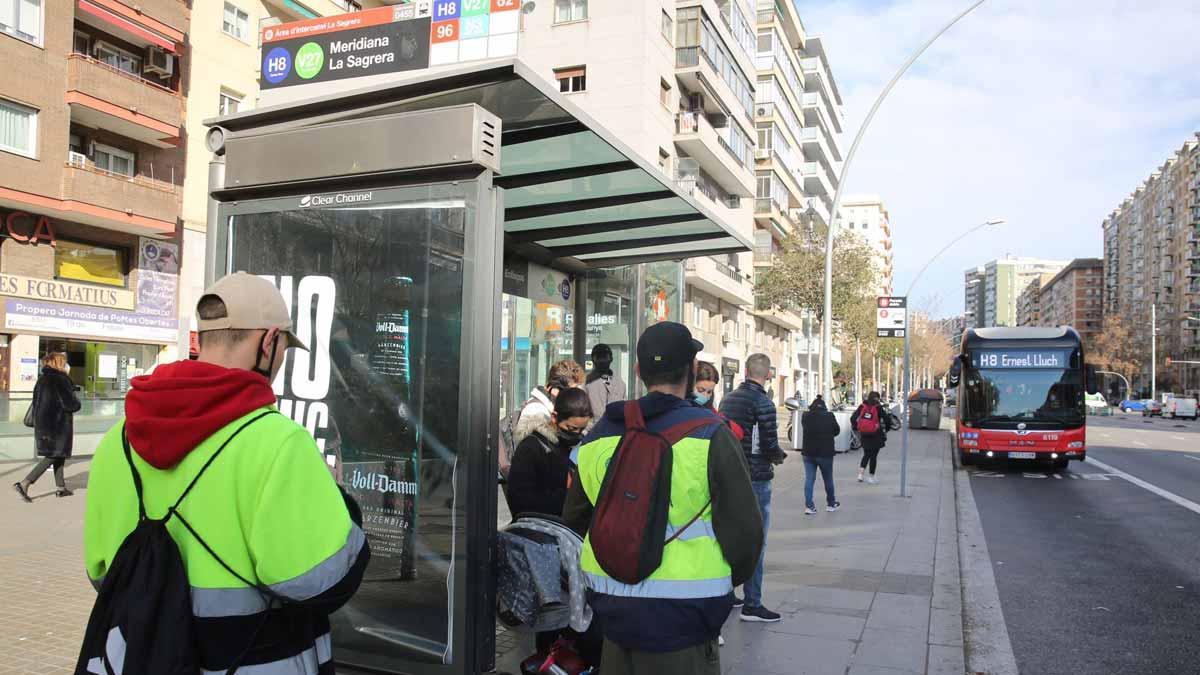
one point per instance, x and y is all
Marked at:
(378, 293)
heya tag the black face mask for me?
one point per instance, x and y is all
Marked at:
(265, 372)
(569, 438)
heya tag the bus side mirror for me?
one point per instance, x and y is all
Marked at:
(1091, 379)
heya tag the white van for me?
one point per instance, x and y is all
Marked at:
(1178, 407)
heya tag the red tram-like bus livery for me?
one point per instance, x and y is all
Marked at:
(1021, 395)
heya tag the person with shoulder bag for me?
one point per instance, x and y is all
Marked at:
(52, 417)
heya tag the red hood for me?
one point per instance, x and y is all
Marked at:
(179, 405)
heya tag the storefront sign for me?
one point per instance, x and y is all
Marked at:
(386, 40)
(158, 277)
(26, 228)
(23, 315)
(548, 285)
(516, 276)
(65, 291)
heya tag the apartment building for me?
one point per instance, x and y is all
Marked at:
(974, 296)
(992, 290)
(1029, 302)
(682, 83)
(92, 110)
(1152, 259)
(1074, 297)
(867, 217)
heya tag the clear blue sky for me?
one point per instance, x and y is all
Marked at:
(1045, 113)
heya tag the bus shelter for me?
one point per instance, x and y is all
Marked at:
(390, 218)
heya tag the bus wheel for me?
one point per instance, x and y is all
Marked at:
(966, 459)
(1060, 464)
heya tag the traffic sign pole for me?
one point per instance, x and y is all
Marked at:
(906, 418)
(891, 320)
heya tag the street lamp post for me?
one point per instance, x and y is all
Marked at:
(827, 323)
(904, 391)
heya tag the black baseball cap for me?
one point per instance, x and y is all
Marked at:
(665, 347)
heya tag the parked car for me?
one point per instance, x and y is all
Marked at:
(1132, 405)
(1151, 408)
(1180, 407)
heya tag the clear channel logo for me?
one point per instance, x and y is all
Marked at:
(339, 199)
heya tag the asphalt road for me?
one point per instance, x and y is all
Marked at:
(1099, 572)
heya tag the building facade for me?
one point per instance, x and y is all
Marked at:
(714, 93)
(1152, 260)
(974, 296)
(867, 217)
(992, 290)
(1029, 302)
(92, 108)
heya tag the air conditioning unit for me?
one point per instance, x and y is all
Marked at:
(160, 62)
(761, 111)
(762, 153)
(77, 159)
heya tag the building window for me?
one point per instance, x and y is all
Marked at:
(18, 128)
(230, 103)
(113, 160)
(668, 25)
(697, 316)
(570, 10)
(664, 161)
(22, 19)
(118, 58)
(571, 80)
(664, 93)
(92, 263)
(82, 43)
(236, 22)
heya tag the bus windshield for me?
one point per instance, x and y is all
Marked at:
(999, 395)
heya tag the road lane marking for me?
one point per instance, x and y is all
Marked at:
(1169, 496)
(1179, 438)
(1193, 457)
(1144, 445)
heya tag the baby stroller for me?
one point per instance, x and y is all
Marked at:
(540, 589)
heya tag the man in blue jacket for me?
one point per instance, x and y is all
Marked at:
(753, 410)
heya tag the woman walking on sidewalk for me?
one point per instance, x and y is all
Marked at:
(52, 411)
(820, 431)
(871, 422)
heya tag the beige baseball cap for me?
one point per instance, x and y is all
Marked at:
(251, 303)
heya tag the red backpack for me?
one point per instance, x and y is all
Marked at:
(868, 421)
(628, 531)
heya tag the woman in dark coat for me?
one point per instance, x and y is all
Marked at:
(537, 479)
(873, 439)
(54, 407)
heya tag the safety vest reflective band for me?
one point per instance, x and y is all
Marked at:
(693, 565)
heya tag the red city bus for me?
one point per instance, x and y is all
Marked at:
(1021, 395)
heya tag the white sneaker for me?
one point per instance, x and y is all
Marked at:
(810, 511)
(860, 476)
(872, 481)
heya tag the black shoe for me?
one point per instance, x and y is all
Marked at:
(21, 491)
(64, 492)
(759, 614)
(737, 601)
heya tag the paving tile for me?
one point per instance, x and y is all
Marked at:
(945, 627)
(945, 660)
(886, 647)
(864, 669)
(818, 624)
(780, 653)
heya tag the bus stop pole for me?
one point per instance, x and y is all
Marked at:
(906, 379)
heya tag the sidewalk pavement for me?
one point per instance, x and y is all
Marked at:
(45, 597)
(872, 589)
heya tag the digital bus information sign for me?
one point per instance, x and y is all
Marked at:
(1055, 359)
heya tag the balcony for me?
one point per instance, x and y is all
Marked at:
(814, 70)
(695, 70)
(135, 204)
(719, 279)
(102, 97)
(813, 140)
(167, 20)
(696, 136)
(816, 179)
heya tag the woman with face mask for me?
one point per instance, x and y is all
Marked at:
(537, 479)
(704, 394)
(51, 414)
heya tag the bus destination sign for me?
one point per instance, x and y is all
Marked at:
(1020, 358)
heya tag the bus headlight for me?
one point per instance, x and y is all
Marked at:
(990, 453)
(1075, 445)
(968, 443)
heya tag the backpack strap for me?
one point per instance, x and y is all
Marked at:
(676, 433)
(137, 478)
(174, 509)
(634, 420)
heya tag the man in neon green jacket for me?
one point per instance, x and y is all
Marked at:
(267, 505)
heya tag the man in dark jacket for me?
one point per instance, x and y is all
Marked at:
(820, 430)
(750, 408)
(669, 623)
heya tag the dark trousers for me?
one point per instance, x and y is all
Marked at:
(702, 659)
(811, 466)
(57, 462)
(870, 455)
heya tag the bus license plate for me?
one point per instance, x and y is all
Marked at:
(1022, 455)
